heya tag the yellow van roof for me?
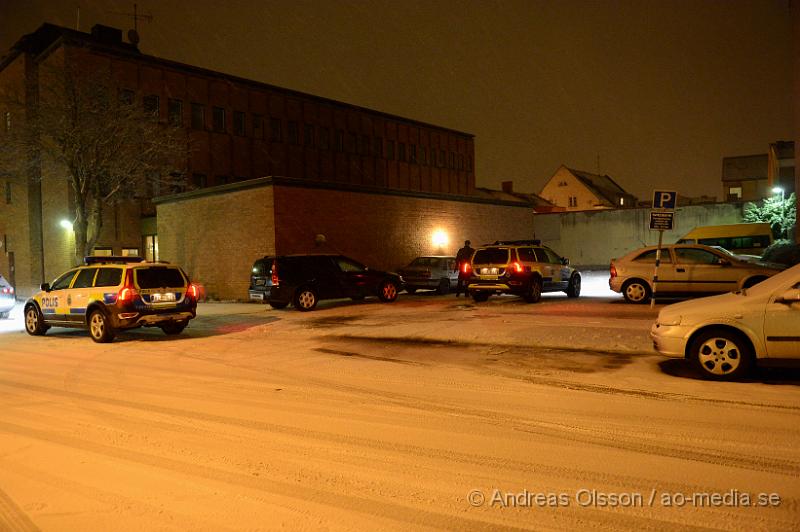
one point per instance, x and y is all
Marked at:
(719, 231)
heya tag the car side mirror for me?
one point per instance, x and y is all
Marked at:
(45, 287)
(565, 261)
(790, 296)
(724, 262)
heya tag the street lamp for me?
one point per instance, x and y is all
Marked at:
(778, 190)
(66, 224)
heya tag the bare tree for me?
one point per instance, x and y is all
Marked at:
(83, 125)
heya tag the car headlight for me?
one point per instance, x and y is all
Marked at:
(669, 322)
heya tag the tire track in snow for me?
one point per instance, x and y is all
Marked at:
(12, 517)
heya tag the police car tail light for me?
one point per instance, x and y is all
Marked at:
(193, 291)
(466, 267)
(275, 279)
(127, 292)
(515, 267)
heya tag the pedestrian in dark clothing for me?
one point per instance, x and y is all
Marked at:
(463, 258)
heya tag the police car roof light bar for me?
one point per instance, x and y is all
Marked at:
(94, 259)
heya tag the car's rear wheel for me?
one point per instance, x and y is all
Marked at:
(173, 327)
(99, 328)
(574, 287)
(480, 296)
(34, 321)
(444, 287)
(534, 291)
(305, 298)
(388, 291)
(275, 304)
(636, 291)
(753, 281)
(721, 354)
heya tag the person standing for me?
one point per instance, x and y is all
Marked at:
(463, 257)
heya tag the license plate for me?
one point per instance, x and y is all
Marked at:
(260, 282)
(260, 297)
(162, 298)
(489, 271)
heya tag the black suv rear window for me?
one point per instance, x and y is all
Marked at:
(159, 278)
(262, 267)
(491, 256)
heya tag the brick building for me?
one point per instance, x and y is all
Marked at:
(239, 130)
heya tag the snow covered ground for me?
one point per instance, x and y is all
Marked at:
(429, 413)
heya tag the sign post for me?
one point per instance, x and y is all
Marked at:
(661, 219)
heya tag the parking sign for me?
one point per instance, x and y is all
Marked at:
(664, 199)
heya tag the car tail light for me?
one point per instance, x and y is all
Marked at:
(515, 267)
(8, 290)
(613, 270)
(275, 280)
(193, 291)
(466, 267)
(127, 292)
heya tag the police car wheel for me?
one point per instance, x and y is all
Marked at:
(99, 328)
(173, 327)
(534, 291)
(34, 323)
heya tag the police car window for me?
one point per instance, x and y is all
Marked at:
(84, 278)
(159, 278)
(491, 256)
(552, 257)
(108, 277)
(541, 256)
(63, 281)
(526, 255)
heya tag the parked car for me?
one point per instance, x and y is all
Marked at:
(434, 272)
(685, 270)
(521, 267)
(260, 277)
(303, 280)
(725, 335)
(7, 298)
(109, 294)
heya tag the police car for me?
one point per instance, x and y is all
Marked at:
(109, 294)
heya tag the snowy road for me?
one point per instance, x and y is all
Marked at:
(427, 413)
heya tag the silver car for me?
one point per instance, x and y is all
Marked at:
(433, 272)
(685, 269)
(7, 298)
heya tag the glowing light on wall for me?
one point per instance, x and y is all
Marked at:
(439, 238)
(66, 224)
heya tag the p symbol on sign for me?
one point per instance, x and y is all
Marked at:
(664, 199)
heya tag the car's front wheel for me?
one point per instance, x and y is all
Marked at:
(721, 354)
(636, 291)
(99, 328)
(305, 299)
(574, 287)
(444, 287)
(34, 322)
(388, 291)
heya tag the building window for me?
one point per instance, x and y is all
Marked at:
(452, 160)
(7, 121)
(390, 150)
(200, 180)
(126, 96)
(218, 119)
(275, 133)
(8, 193)
(151, 248)
(102, 251)
(198, 116)
(423, 155)
(324, 138)
(258, 126)
(150, 104)
(175, 112)
(339, 140)
(130, 252)
(735, 192)
(222, 180)
(573, 201)
(308, 136)
(377, 147)
(442, 158)
(352, 143)
(412, 153)
(469, 164)
(238, 123)
(401, 151)
(291, 132)
(621, 201)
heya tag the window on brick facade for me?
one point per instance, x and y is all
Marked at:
(8, 193)
(258, 126)
(218, 119)
(292, 135)
(352, 140)
(573, 201)
(103, 251)
(452, 160)
(324, 138)
(377, 147)
(222, 180)
(175, 112)
(126, 96)
(7, 121)
(151, 247)
(442, 158)
(275, 133)
(390, 150)
(363, 147)
(200, 180)
(130, 252)
(308, 135)
(469, 164)
(339, 140)
(423, 155)
(238, 123)
(150, 104)
(412, 153)
(401, 151)
(198, 116)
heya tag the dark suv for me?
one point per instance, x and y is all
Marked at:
(521, 267)
(305, 279)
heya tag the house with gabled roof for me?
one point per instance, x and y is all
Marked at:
(576, 190)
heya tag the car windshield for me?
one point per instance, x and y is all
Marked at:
(261, 267)
(491, 256)
(159, 278)
(786, 277)
(425, 261)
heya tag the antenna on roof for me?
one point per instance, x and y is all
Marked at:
(78, 18)
(133, 35)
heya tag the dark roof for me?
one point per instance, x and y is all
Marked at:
(601, 186)
(49, 36)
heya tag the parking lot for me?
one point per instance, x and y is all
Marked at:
(427, 411)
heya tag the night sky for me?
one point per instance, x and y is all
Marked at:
(654, 93)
